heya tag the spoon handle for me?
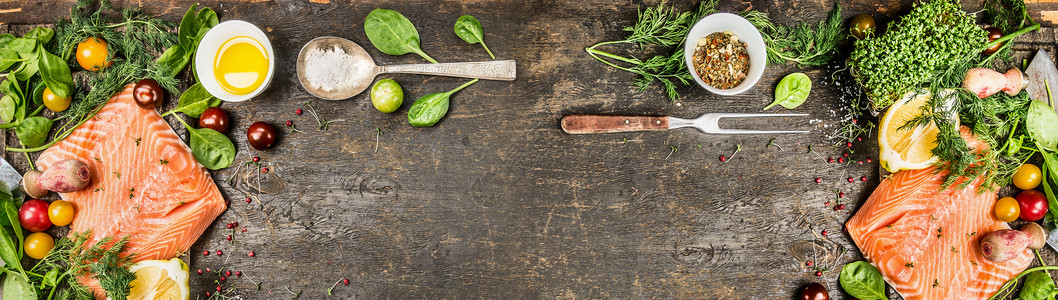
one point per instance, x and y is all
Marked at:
(489, 70)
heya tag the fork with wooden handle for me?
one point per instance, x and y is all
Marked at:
(707, 123)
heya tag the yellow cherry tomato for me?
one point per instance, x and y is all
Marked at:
(1007, 209)
(1028, 177)
(60, 213)
(54, 102)
(38, 245)
(92, 54)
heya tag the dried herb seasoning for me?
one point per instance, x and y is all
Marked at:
(721, 60)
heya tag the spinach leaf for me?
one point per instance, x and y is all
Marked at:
(5, 39)
(8, 58)
(429, 109)
(23, 45)
(7, 108)
(392, 33)
(12, 217)
(1038, 286)
(1042, 124)
(194, 101)
(188, 28)
(41, 34)
(1048, 173)
(38, 94)
(175, 58)
(33, 131)
(211, 148)
(862, 280)
(56, 74)
(469, 29)
(792, 91)
(207, 18)
(17, 288)
(50, 279)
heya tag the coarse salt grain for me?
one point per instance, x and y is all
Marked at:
(331, 69)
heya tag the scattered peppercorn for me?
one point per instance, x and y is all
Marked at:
(256, 159)
(846, 154)
(819, 273)
(207, 294)
(219, 252)
(824, 233)
(722, 158)
(819, 180)
(841, 195)
(251, 254)
(199, 271)
(218, 288)
(229, 237)
(222, 278)
(841, 160)
(297, 111)
(848, 145)
(264, 170)
(840, 206)
(864, 178)
(830, 161)
(205, 253)
(248, 200)
(345, 281)
(827, 204)
(227, 273)
(238, 273)
(851, 180)
(290, 123)
(808, 263)
(868, 160)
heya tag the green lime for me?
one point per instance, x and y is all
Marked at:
(386, 95)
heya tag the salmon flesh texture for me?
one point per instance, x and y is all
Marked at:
(926, 242)
(145, 184)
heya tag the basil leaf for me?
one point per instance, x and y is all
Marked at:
(7, 108)
(17, 288)
(12, 217)
(6, 39)
(188, 28)
(792, 91)
(862, 280)
(8, 58)
(41, 34)
(33, 131)
(211, 148)
(56, 74)
(392, 33)
(469, 29)
(1038, 286)
(1042, 124)
(429, 109)
(23, 45)
(195, 100)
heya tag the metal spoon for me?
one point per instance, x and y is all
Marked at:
(489, 70)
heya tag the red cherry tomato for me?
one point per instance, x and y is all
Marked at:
(1033, 205)
(261, 135)
(33, 215)
(148, 94)
(214, 118)
(815, 291)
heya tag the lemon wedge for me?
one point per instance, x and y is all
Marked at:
(910, 149)
(160, 279)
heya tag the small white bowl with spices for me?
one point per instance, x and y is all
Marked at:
(725, 54)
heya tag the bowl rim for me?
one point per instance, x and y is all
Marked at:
(752, 77)
(204, 58)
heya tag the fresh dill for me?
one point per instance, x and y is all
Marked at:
(657, 26)
(75, 257)
(801, 44)
(134, 39)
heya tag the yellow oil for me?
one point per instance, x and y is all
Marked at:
(241, 65)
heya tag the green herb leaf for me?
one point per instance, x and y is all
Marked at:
(17, 288)
(469, 29)
(1042, 124)
(23, 45)
(194, 101)
(8, 58)
(12, 217)
(56, 74)
(5, 39)
(38, 94)
(29, 67)
(175, 58)
(1038, 286)
(207, 18)
(41, 34)
(429, 109)
(189, 28)
(792, 91)
(33, 131)
(392, 33)
(50, 278)
(211, 148)
(862, 280)
(7, 108)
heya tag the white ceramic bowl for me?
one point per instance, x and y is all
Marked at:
(746, 32)
(207, 52)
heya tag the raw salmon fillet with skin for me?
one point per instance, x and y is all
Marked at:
(926, 242)
(162, 207)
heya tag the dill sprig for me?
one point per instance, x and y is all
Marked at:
(134, 39)
(657, 26)
(801, 44)
(75, 257)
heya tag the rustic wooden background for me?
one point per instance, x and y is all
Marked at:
(495, 201)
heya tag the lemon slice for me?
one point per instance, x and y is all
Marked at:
(160, 279)
(910, 149)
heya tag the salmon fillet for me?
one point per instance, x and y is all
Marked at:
(926, 242)
(145, 184)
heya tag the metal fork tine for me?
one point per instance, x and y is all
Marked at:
(710, 123)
